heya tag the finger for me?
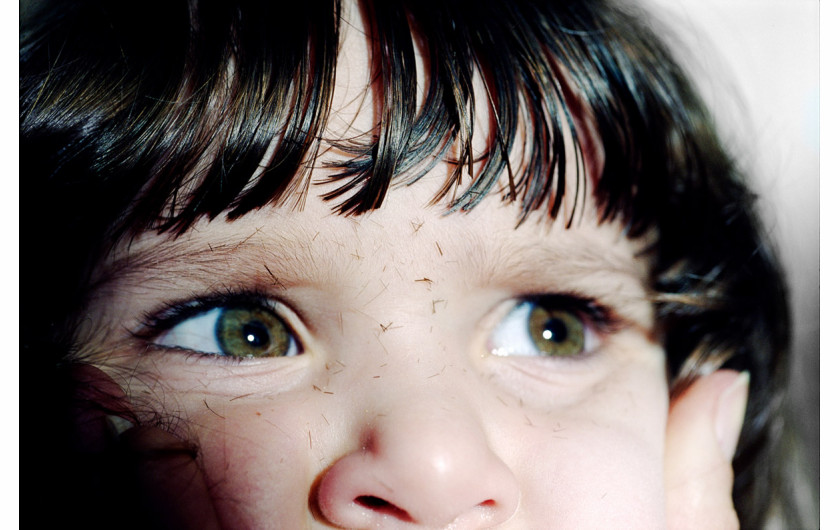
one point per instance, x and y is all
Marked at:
(703, 428)
(148, 478)
(93, 397)
(171, 487)
(90, 488)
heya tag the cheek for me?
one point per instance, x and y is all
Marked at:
(600, 478)
(593, 461)
(259, 460)
(599, 464)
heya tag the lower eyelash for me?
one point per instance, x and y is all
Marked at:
(192, 355)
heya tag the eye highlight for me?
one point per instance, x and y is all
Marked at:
(552, 326)
(243, 330)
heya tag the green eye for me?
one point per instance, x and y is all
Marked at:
(555, 332)
(542, 328)
(239, 331)
(252, 333)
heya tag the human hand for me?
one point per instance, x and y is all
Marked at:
(704, 424)
(147, 477)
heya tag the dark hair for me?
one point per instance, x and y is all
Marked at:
(151, 116)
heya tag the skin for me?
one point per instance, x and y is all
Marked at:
(397, 393)
(398, 412)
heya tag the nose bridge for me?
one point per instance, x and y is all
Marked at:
(416, 365)
(414, 393)
(420, 373)
(424, 407)
(408, 346)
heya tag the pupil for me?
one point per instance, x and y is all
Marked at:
(555, 330)
(255, 334)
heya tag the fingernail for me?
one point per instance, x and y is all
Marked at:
(117, 425)
(732, 405)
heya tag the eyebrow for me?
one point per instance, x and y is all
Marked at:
(295, 258)
(518, 263)
(589, 270)
(172, 255)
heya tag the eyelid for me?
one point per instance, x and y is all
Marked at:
(601, 317)
(156, 323)
(598, 321)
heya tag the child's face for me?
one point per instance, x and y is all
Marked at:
(410, 376)
(395, 390)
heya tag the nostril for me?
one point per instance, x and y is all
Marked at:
(374, 503)
(382, 506)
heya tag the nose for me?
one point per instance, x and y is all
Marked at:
(430, 469)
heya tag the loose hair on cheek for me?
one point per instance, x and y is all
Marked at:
(137, 118)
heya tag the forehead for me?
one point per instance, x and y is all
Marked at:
(406, 245)
(304, 240)
(355, 116)
(247, 135)
(491, 241)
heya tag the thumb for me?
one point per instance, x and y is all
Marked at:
(703, 428)
(170, 485)
(141, 477)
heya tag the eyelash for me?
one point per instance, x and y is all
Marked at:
(594, 316)
(157, 323)
(176, 312)
(599, 316)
